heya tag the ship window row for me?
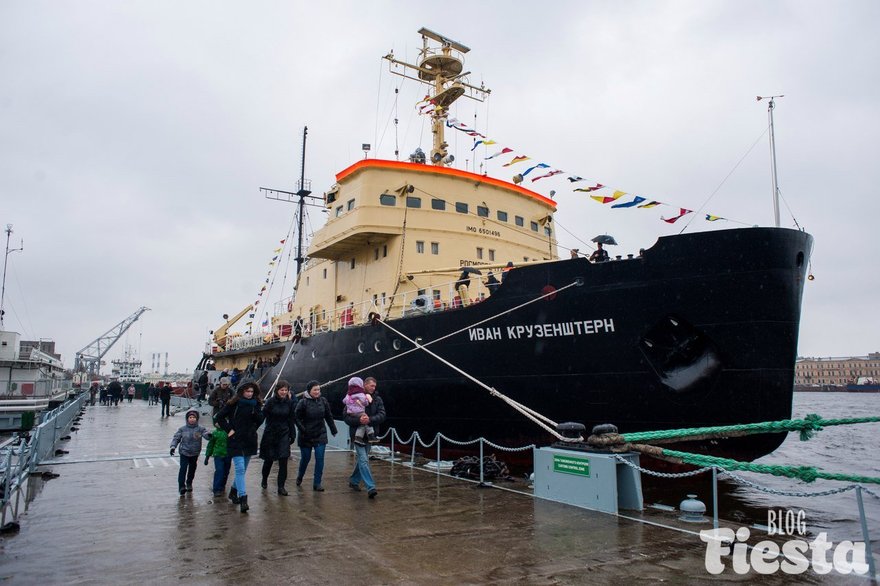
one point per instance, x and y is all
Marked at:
(480, 254)
(461, 207)
(420, 247)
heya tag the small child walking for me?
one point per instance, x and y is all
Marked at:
(189, 438)
(356, 402)
(222, 461)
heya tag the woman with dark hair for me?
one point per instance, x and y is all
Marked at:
(312, 412)
(279, 433)
(240, 418)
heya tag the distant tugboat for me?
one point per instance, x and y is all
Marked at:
(701, 329)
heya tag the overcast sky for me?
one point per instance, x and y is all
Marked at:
(134, 137)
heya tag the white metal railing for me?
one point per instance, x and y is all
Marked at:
(41, 388)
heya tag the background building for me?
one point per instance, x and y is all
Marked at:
(838, 371)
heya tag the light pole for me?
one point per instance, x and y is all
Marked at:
(5, 261)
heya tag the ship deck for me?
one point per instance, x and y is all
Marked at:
(114, 516)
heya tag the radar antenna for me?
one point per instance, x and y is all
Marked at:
(442, 68)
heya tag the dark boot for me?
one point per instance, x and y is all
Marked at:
(265, 483)
(233, 495)
(243, 503)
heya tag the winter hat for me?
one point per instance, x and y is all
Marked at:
(192, 412)
(355, 385)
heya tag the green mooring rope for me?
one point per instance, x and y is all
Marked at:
(805, 473)
(807, 427)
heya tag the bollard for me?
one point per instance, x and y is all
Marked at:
(868, 553)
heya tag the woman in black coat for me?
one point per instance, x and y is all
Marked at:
(240, 418)
(313, 416)
(279, 433)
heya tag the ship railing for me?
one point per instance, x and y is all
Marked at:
(22, 388)
(434, 297)
(20, 456)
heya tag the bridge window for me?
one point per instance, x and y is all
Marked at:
(376, 254)
(325, 273)
(502, 216)
(420, 247)
(350, 205)
(338, 211)
(384, 250)
(534, 226)
(547, 231)
(438, 204)
(519, 221)
(461, 207)
(483, 211)
(413, 202)
(352, 264)
(386, 199)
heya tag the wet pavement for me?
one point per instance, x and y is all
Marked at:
(114, 516)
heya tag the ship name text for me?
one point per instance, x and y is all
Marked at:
(553, 330)
(486, 231)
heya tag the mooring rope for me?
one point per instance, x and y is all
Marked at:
(271, 390)
(536, 417)
(807, 427)
(456, 332)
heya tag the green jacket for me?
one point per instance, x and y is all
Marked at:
(217, 444)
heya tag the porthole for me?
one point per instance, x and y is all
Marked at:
(377, 346)
(362, 347)
(396, 344)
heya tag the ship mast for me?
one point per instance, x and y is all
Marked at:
(775, 181)
(441, 68)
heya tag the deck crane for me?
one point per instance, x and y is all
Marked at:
(89, 358)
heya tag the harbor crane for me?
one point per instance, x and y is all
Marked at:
(88, 359)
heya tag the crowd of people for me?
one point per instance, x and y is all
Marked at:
(304, 418)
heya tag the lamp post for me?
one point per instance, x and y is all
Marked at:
(5, 261)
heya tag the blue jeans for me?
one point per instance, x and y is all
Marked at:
(187, 470)
(362, 468)
(305, 456)
(241, 464)
(222, 465)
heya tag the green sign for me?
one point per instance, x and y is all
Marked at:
(568, 465)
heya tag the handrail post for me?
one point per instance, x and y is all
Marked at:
(393, 432)
(481, 461)
(868, 554)
(715, 497)
(7, 484)
(412, 452)
(438, 452)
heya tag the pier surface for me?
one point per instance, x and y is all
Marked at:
(114, 516)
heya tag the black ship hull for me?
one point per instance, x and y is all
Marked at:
(701, 330)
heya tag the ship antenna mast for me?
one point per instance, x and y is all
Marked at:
(770, 107)
(303, 191)
(442, 69)
(6, 260)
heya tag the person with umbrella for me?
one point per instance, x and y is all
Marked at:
(463, 282)
(600, 254)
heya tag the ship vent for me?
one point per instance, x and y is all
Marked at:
(683, 357)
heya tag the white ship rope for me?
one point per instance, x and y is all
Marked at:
(449, 335)
(539, 419)
(271, 390)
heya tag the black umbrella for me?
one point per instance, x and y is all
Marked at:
(471, 270)
(605, 239)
